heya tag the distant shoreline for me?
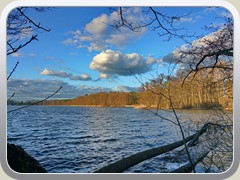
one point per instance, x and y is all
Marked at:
(129, 106)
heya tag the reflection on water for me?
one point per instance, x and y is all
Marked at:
(83, 139)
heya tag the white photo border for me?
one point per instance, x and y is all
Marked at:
(117, 3)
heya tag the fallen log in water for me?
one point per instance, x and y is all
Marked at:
(134, 159)
(188, 167)
(198, 134)
(203, 130)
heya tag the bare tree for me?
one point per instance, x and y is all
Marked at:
(155, 20)
(164, 92)
(205, 54)
(214, 138)
(21, 29)
(213, 51)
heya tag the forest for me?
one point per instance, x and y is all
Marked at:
(205, 91)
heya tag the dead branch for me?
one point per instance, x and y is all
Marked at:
(31, 21)
(134, 159)
(14, 50)
(168, 97)
(189, 167)
(35, 102)
(14, 69)
(11, 96)
(156, 20)
(203, 130)
(20, 25)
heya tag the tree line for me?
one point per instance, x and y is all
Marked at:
(108, 99)
(206, 90)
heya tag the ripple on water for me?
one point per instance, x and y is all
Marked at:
(83, 139)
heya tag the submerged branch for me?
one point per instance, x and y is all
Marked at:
(134, 159)
(189, 167)
(125, 163)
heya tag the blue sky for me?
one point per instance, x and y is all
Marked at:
(85, 54)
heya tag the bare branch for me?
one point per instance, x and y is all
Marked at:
(36, 102)
(14, 50)
(11, 96)
(31, 21)
(12, 70)
(155, 21)
(21, 26)
(227, 52)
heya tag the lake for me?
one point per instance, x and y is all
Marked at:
(72, 139)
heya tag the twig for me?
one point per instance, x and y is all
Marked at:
(35, 102)
(22, 45)
(11, 96)
(31, 21)
(188, 167)
(12, 70)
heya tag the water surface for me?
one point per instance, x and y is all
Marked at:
(83, 139)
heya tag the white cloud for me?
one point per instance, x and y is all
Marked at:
(78, 32)
(70, 41)
(103, 76)
(97, 46)
(221, 12)
(17, 54)
(210, 10)
(121, 88)
(99, 35)
(111, 62)
(94, 89)
(186, 19)
(20, 55)
(121, 39)
(86, 38)
(216, 41)
(98, 25)
(81, 46)
(63, 74)
(29, 89)
(26, 33)
(226, 14)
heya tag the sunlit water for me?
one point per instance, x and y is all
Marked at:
(83, 139)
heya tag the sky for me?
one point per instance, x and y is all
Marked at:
(85, 54)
